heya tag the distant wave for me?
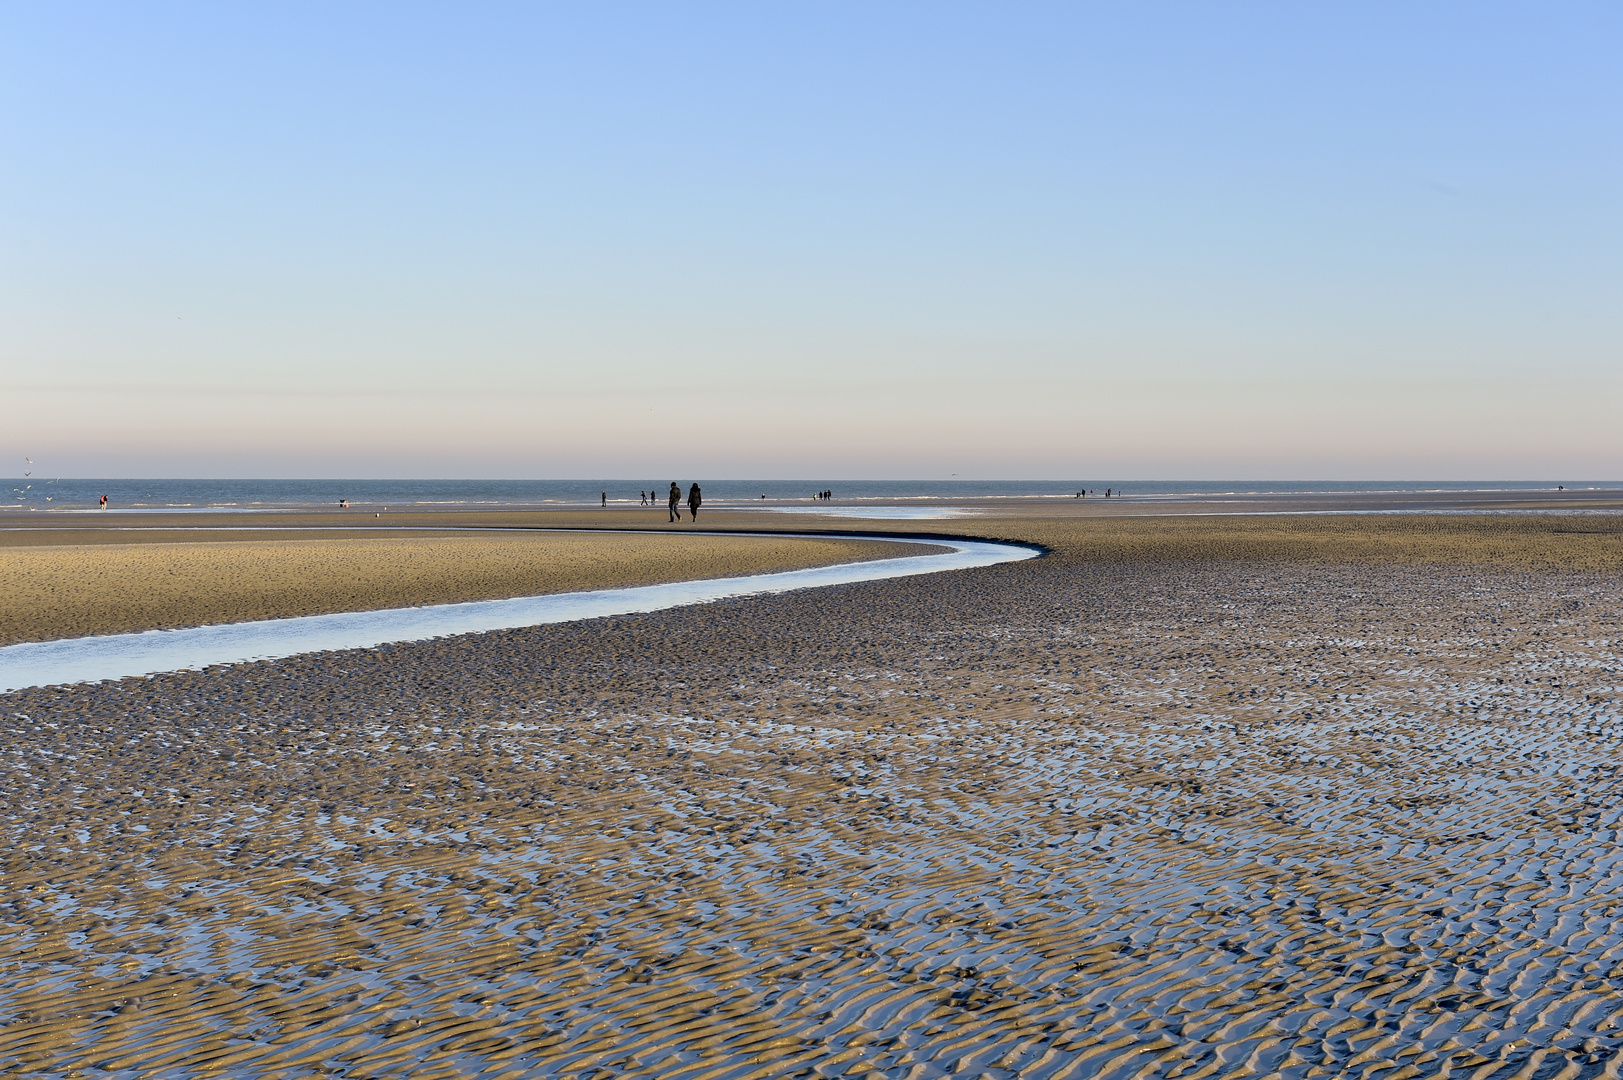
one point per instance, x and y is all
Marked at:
(239, 494)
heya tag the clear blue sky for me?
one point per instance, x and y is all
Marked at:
(998, 240)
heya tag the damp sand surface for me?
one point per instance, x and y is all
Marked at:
(73, 583)
(1282, 805)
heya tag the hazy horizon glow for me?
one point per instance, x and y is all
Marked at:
(1334, 242)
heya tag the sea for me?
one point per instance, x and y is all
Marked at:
(73, 493)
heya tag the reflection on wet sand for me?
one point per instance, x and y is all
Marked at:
(1097, 814)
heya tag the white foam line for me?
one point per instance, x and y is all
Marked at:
(119, 656)
(898, 513)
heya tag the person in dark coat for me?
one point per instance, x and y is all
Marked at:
(694, 499)
(676, 501)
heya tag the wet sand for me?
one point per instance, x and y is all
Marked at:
(108, 581)
(1330, 798)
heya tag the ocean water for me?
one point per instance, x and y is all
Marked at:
(68, 493)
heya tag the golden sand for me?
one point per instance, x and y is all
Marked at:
(1543, 542)
(124, 581)
(1293, 799)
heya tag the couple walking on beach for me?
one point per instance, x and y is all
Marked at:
(694, 499)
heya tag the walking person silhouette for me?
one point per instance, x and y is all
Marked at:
(676, 501)
(694, 499)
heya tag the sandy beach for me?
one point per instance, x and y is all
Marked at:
(71, 583)
(1285, 796)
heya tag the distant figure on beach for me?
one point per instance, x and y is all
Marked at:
(605, 498)
(1079, 494)
(694, 499)
(1107, 492)
(676, 501)
(104, 502)
(343, 504)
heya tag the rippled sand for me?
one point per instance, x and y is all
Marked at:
(112, 581)
(1274, 806)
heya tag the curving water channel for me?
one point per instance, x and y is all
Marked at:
(118, 656)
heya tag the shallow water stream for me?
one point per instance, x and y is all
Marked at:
(117, 656)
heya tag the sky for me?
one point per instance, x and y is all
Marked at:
(867, 240)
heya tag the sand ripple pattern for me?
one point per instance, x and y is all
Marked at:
(1159, 822)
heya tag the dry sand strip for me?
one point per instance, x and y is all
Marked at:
(120, 581)
(1098, 814)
